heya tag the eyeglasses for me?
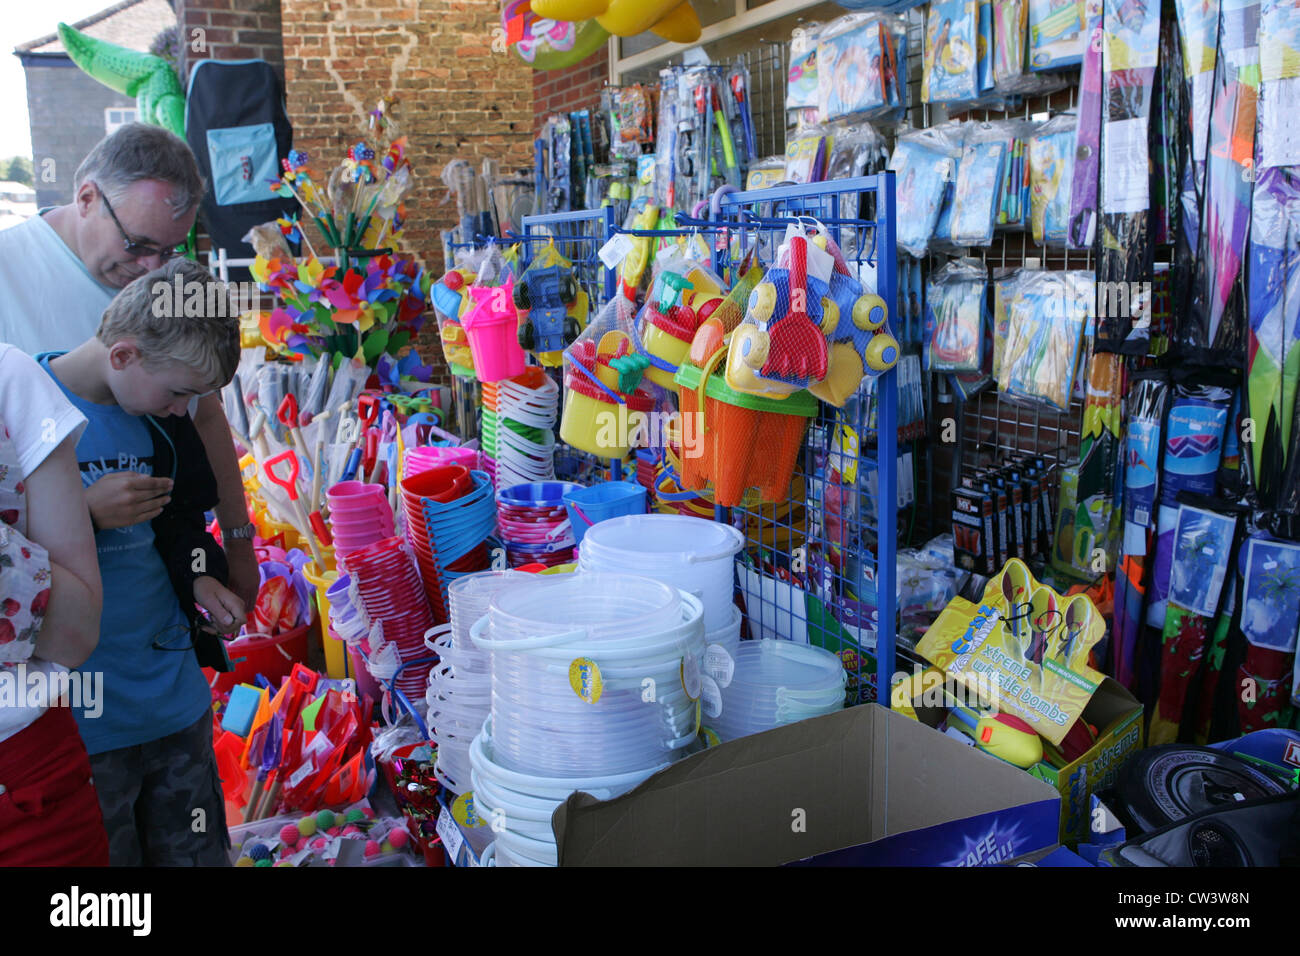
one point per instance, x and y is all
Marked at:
(140, 250)
(184, 636)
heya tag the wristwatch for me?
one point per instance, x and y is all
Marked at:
(244, 532)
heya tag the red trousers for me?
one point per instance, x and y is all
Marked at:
(49, 814)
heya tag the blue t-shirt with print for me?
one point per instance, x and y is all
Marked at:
(148, 692)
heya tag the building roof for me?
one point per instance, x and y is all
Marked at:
(130, 23)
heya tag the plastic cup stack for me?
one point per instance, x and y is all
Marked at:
(534, 524)
(774, 683)
(518, 429)
(389, 588)
(449, 515)
(426, 457)
(359, 515)
(570, 661)
(460, 686)
(689, 553)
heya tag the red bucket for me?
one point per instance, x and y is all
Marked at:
(272, 657)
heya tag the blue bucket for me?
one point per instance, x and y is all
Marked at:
(610, 499)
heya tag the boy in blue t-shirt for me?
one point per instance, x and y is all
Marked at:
(148, 484)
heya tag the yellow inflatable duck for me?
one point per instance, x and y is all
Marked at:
(673, 20)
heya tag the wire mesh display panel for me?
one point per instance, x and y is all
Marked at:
(578, 237)
(820, 565)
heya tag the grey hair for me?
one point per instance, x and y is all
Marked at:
(177, 313)
(138, 152)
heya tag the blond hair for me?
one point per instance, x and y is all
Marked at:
(177, 313)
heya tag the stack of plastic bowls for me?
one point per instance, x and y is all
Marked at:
(594, 686)
(518, 435)
(695, 555)
(359, 515)
(351, 624)
(391, 592)
(534, 523)
(776, 683)
(460, 686)
(432, 456)
(449, 515)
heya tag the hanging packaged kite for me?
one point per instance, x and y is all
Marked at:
(1203, 543)
(924, 163)
(1148, 396)
(1087, 137)
(1051, 167)
(1096, 517)
(1270, 607)
(1198, 418)
(1131, 46)
(955, 314)
(1167, 132)
(1214, 327)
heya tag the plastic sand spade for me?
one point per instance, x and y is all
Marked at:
(610, 499)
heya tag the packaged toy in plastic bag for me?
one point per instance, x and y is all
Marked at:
(1051, 167)
(924, 162)
(552, 304)
(810, 324)
(1046, 312)
(684, 293)
(950, 70)
(805, 155)
(802, 86)
(1056, 33)
(976, 195)
(858, 58)
(954, 316)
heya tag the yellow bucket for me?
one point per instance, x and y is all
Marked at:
(337, 664)
(666, 346)
(581, 425)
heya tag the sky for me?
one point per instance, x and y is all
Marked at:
(20, 23)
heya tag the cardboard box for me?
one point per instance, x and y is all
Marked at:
(1117, 715)
(1115, 712)
(863, 786)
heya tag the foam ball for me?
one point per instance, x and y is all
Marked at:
(325, 819)
(387, 848)
(372, 849)
(351, 831)
(319, 843)
(283, 863)
(266, 862)
(244, 861)
(289, 834)
(355, 815)
(398, 838)
(307, 826)
(369, 813)
(258, 852)
(335, 831)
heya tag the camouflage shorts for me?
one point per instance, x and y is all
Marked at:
(162, 801)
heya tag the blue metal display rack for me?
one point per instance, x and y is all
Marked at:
(834, 540)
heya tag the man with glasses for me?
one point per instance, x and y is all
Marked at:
(135, 198)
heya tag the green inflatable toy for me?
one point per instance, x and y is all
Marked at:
(149, 78)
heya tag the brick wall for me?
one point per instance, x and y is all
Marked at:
(230, 30)
(456, 97)
(575, 88)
